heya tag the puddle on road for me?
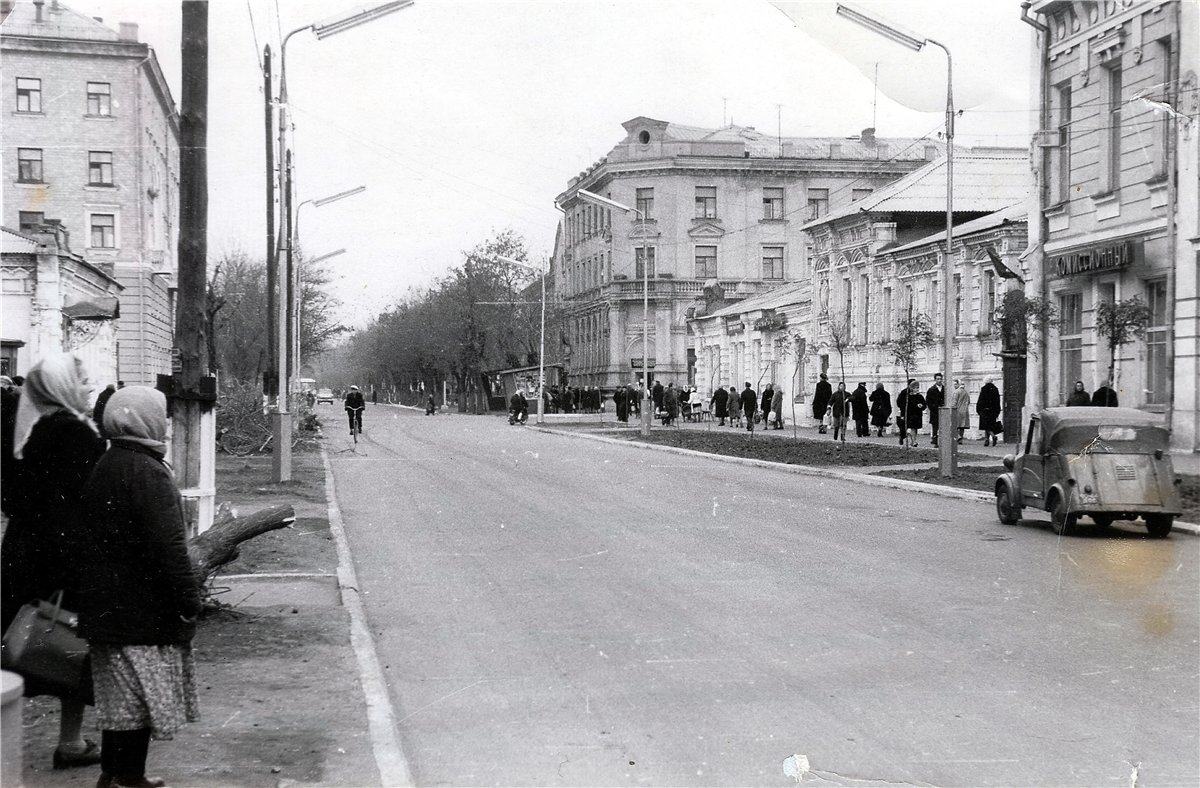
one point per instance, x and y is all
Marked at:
(1125, 570)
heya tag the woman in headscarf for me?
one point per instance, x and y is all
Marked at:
(881, 408)
(961, 401)
(141, 599)
(55, 445)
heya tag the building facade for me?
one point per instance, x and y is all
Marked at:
(91, 142)
(54, 301)
(1118, 190)
(716, 207)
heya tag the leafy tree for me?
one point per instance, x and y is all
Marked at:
(914, 333)
(1021, 318)
(1120, 322)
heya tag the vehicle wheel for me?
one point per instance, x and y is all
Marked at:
(1102, 520)
(1159, 525)
(1005, 510)
(1062, 519)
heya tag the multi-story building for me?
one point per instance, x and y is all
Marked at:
(53, 301)
(1118, 198)
(875, 263)
(716, 206)
(91, 142)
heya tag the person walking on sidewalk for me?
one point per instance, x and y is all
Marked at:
(670, 405)
(820, 403)
(355, 405)
(749, 403)
(861, 411)
(777, 407)
(881, 408)
(934, 399)
(839, 410)
(55, 446)
(961, 402)
(765, 404)
(987, 407)
(720, 405)
(909, 406)
(1079, 397)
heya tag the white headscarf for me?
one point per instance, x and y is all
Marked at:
(137, 414)
(56, 383)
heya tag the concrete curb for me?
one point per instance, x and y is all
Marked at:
(829, 473)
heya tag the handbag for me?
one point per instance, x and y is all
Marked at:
(41, 644)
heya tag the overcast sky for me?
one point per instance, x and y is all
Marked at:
(466, 116)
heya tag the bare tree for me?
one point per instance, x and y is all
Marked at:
(914, 333)
(840, 336)
(1120, 322)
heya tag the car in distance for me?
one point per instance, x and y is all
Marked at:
(1106, 463)
(324, 395)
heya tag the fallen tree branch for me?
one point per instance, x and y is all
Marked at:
(219, 544)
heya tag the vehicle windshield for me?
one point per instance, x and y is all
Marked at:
(1122, 439)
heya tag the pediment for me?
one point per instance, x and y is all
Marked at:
(706, 230)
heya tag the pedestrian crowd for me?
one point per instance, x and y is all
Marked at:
(96, 524)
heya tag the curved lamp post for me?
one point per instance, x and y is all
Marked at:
(947, 443)
(647, 409)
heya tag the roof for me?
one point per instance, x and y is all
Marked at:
(1010, 215)
(780, 296)
(13, 242)
(95, 308)
(58, 21)
(982, 184)
(1055, 419)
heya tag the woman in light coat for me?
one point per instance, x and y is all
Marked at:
(962, 401)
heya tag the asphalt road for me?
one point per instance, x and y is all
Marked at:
(556, 611)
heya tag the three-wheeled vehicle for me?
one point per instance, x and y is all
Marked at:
(1106, 463)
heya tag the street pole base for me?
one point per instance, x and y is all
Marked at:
(281, 440)
(947, 442)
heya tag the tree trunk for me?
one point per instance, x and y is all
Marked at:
(219, 544)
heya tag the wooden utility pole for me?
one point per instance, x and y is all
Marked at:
(268, 97)
(191, 387)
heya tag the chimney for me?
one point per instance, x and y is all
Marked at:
(99, 19)
(129, 32)
(37, 5)
(868, 137)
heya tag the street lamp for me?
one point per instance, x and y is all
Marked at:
(647, 409)
(541, 406)
(281, 427)
(294, 294)
(947, 444)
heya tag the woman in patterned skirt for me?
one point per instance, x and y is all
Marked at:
(140, 598)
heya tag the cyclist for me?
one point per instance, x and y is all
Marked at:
(518, 408)
(354, 404)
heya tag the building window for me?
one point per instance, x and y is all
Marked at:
(706, 202)
(772, 203)
(640, 255)
(1157, 336)
(1070, 341)
(858, 194)
(1062, 164)
(958, 302)
(886, 327)
(818, 203)
(99, 98)
(1110, 125)
(706, 262)
(29, 94)
(987, 302)
(100, 168)
(772, 262)
(104, 231)
(645, 202)
(29, 221)
(29, 165)
(864, 305)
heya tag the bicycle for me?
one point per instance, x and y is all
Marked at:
(355, 423)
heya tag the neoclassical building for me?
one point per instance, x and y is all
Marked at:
(91, 143)
(1118, 199)
(715, 206)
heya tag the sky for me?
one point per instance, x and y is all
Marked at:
(466, 117)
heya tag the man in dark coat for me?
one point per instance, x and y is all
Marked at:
(934, 399)
(988, 407)
(1104, 397)
(820, 402)
(621, 404)
(749, 402)
(1079, 397)
(720, 403)
(881, 408)
(670, 404)
(656, 394)
(767, 395)
(354, 405)
(839, 409)
(909, 406)
(861, 411)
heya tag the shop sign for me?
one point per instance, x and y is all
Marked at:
(735, 327)
(770, 322)
(636, 363)
(1108, 257)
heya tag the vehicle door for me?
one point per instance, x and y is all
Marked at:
(1033, 466)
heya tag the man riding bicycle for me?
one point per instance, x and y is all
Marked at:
(518, 408)
(354, 404)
